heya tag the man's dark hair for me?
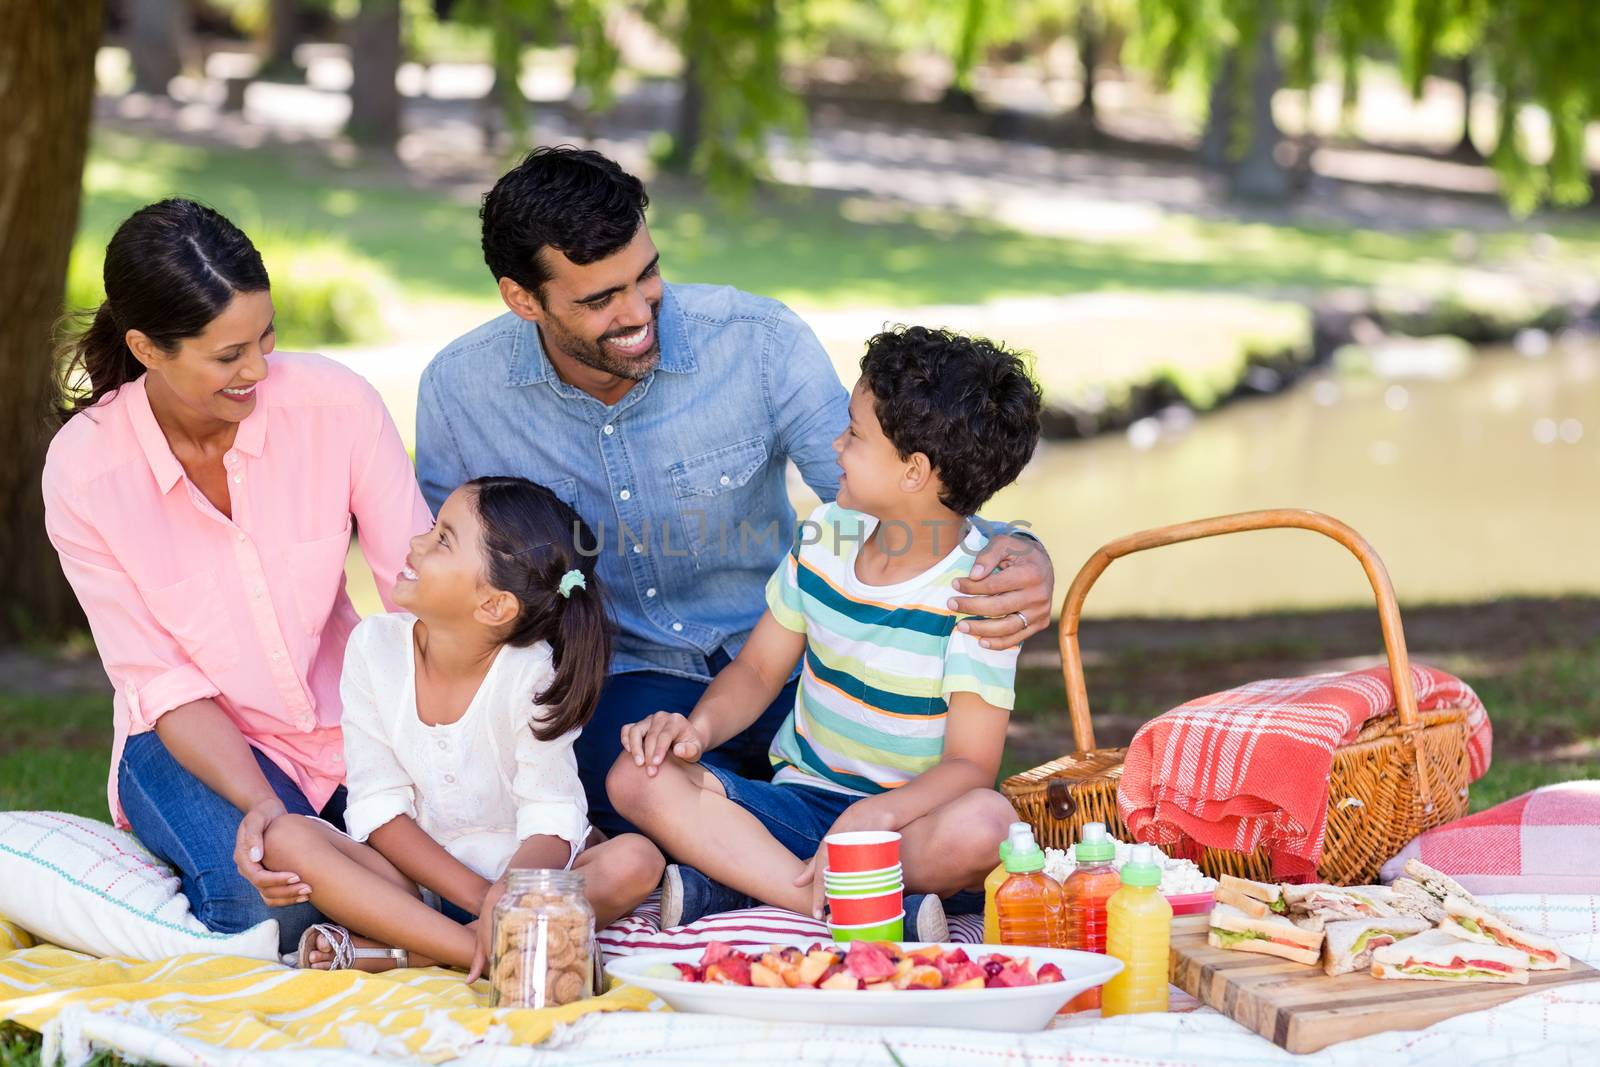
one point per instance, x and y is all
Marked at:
(968, 404)
(574, 200)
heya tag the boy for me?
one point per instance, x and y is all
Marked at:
(900, 718)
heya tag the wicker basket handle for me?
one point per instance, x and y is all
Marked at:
(1394, 639)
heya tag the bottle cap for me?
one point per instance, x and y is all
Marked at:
(1024, 855)
(1005, 846)
(1142, 868)
(1095, 845)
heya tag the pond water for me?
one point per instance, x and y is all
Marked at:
(1471, 484)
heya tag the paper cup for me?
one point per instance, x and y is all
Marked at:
(857, 894)
(864, 911)
(893, 930)
(879, 875)
(857, 888)
(863, 850)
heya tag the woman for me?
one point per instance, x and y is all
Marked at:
(201, 495)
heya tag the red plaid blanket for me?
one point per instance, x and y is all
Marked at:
(1249, 767)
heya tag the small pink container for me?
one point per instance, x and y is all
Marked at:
(863, 850)
(1192, 903)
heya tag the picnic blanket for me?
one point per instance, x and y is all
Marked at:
(1249, 767)
(265, 1015)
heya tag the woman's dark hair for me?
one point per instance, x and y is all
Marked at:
(530, 537)
(574, 200)
(170, 269)
(967, 404)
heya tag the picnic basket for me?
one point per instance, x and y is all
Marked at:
(1402, 774)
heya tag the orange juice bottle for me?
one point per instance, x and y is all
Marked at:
(1028, 903)
(1084, 894)
(1139, 933)
(992, 884)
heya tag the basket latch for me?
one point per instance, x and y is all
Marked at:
(1059, 799)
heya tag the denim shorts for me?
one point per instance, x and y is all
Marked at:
(799, 816)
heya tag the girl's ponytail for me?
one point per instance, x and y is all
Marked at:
(582, 649)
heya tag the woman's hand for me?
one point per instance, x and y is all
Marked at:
(484, 927)
(1011, 584)
(862, 815)
(649, 741)
(278, 888)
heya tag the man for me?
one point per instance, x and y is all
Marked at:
(664, 414)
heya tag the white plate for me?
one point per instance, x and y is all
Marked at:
(1020, 1008)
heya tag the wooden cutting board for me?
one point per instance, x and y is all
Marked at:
(1302, 1010)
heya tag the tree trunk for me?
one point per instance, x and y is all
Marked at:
(1465, 149)
(375, 60)
(283, 33)
(1259, 174)
(1089, 44)
(1218, 135)
(157, 37)
(688, 126)
(47, 54)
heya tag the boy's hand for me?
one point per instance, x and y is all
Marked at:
(862, 815)
(1011, 585)
(650, 741)
(485, 927)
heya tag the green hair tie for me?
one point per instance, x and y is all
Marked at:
(571, 580)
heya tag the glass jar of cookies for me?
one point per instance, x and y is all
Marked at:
(543, 940)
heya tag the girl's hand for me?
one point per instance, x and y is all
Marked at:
(277, 888)
(649, 741)
(862, 815)
(485, 926)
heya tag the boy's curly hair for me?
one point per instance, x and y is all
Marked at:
(966, 403)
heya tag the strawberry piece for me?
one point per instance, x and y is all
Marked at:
(1048, 973)
(1012, 975)
(716, 952)
(732, 969)
(690, 972)
(868, 961)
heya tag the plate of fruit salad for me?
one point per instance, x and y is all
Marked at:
(977, 987)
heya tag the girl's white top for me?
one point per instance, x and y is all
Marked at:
(481, 785)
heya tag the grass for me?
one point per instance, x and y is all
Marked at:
(818, 250)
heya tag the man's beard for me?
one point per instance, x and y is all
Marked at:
(598, 355)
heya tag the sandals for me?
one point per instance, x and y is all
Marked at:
(345, 950)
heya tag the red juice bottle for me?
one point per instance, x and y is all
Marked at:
(1084, 895)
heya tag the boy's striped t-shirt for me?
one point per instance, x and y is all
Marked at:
(881, 661)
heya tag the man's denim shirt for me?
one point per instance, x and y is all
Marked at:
(682, 480)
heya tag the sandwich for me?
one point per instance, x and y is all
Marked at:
(1436, 884)
(1332, 903)
(1348, 945)
(1438, 956)
(1408, 897)
(1256, 899)
(1270, 935)
(1470, 921)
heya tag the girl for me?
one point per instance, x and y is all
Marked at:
(460, 715)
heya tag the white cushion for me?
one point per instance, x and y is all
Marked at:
(85, 885)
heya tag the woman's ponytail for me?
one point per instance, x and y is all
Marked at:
(94, 362)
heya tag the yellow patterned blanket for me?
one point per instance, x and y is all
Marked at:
(225, 1010)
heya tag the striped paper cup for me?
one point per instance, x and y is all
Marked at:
(893, 930)
(864, 911)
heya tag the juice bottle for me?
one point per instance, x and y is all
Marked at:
(1028, 902)
(1139, 933)
(991, 885)
(1084, 895)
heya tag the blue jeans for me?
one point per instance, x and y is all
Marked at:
(181, 820)
(630, 697)
(799, 816)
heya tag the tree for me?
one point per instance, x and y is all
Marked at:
(157, 37)
(375, 62)
(734, 94)
(285, 24)
(47, 55)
